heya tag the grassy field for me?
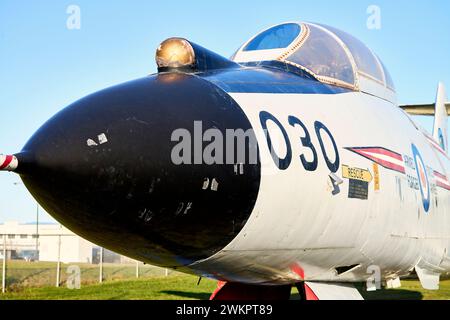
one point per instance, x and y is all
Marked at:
(174, 287)
(35, 281)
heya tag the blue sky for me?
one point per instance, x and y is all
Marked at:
(44, 66)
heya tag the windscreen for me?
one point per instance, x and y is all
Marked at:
(364, 58)
(277, 37)
(323, 55)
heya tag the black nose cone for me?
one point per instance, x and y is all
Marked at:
(104, 168)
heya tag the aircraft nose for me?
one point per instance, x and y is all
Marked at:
(104, 167)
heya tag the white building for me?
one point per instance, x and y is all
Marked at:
(21, 240)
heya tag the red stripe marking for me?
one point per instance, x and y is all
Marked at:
(440, 175)
(310, 295)
(443, 186)
(392, 166)
(220, 285)
(384, 163)
(437, 146)
(298, 270)
(384, 152)
(376, 158)
(434, 142)
(6, 163)
(439, 149)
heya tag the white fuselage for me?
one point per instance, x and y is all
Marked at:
(304, 225)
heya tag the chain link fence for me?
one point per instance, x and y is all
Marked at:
(21, 268)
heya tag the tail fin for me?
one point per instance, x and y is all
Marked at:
(440, 131)
(8, 163)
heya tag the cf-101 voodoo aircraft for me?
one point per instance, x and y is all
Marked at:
(344, 187)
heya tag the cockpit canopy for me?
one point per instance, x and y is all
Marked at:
(330, 55)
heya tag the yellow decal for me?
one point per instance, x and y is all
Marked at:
(376, 173)
(356, 174)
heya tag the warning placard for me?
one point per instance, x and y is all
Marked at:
(356, 174)
(358, 189)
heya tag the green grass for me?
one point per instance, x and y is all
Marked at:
(174, 287)
(410, 290)
(35, 281)
(184, 287)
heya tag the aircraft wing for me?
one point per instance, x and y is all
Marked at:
(423, 109)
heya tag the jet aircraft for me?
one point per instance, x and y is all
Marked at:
(336, 183)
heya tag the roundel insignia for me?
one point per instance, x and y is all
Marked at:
(423, 178)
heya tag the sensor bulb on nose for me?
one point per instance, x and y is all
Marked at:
(175, 53)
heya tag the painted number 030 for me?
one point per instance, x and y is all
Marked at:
(308, 164)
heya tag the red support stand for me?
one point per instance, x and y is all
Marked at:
(228, 291)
